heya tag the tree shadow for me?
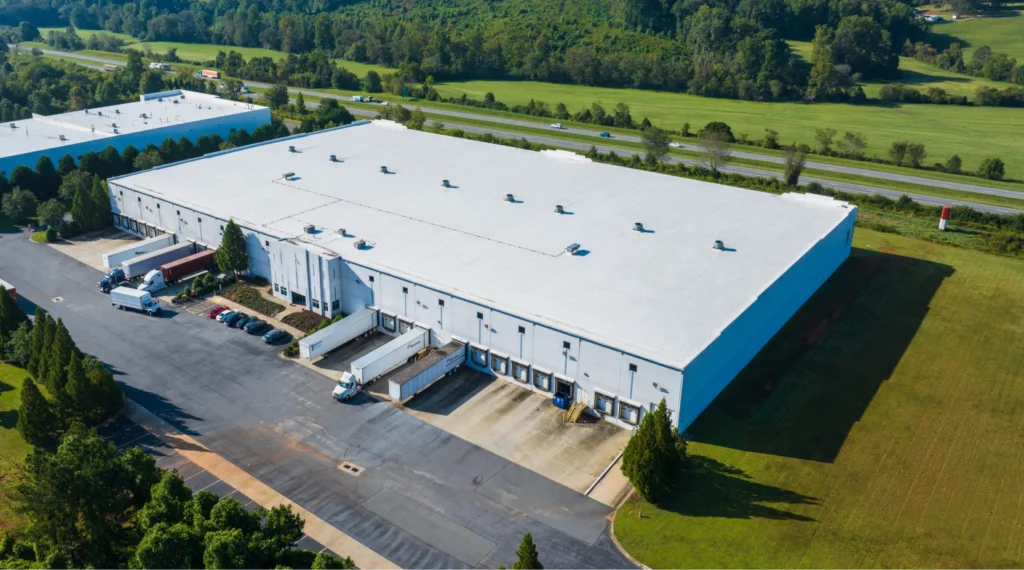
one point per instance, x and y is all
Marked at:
(5, 387)
(8, 419)
(807, 388)
(162, 407)
(710, 488)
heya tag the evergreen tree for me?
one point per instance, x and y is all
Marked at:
(100, 203)
(11, 315)
(48, 179)
(300, 103)
(66, 164)
(107, 394)
(654, 456)
(42, 368)
(79, 392)
(36, 420)
(60, 351)
(18, 348)
(38, 340)
(232, 254)
(526, 556)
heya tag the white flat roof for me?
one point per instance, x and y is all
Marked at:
(664, 294)
(44, 132)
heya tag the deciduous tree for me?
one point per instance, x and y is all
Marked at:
(794, 161)
(716, 151)
(655, 142)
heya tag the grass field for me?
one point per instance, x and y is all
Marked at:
(12, 447)
(1002, 31)
(944, 130)
(86, 34)
(881, 428)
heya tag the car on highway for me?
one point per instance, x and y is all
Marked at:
(240, 322)
(212, 313)
(231, 319)
(276, 335)
(557, 126)
(605, 135)
(225, 314)
(255, 326)
(675, 145)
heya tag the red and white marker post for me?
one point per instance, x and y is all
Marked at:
(944, 218)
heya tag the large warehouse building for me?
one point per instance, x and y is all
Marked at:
(617, 286)
(152, 119)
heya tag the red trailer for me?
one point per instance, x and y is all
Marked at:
(186, 266)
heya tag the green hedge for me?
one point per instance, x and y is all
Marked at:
(250, 297)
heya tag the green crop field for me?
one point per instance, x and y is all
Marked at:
(880, 428)
(12, 447)
(972, 132)
(1002, 31)
(86, 34)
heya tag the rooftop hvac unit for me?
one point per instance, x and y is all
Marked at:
(175, 101)
(510, 198)
(334, 158)
(573, 249)
(63, 138)
(291, 148)
(638, 227)
(559, 209)
(359, 244)
(445, 183)
(719, 245)
(342, 232)
(309, 229)
(288, 175)
(118, 111)
(384, 169)
(13, 126)
(100, 113)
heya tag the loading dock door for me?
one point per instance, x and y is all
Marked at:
(565, 386)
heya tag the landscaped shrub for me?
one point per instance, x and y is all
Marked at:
(248, 296)
(51, 234)
(70, 229)
(305, 321)
(292, 350)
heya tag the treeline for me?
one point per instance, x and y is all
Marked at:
(983, 63)
(722, 48)
(90, 506)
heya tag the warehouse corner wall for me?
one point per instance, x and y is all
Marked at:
(708, 374)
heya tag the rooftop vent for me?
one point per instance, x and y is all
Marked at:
(384, 169)
(309, 229)
(719, 245)
(510, 198)
(87, 111)
(638, 227)
(359, 244)
(288, 175)
(13, 126)
(114, 125)
(63, 138)
(116, 132)
(291, 148)
(100, 113)
(341, 232)
(445, 183)
(175, 101)
(143, 116)
(334, 158)
(559, 209)
(572, 249)
(118, 111)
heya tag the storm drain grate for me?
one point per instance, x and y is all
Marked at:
(350, 468)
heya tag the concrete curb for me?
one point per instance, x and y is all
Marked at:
(615, 540)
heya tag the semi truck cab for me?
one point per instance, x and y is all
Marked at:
(154, 281)
(112, 279)
(346, 388)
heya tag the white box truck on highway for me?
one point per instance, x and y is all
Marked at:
(337, 334)
(381, 361)
(143, 264)
(114, 257)
(130, 298)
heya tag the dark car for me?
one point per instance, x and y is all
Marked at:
(255, 326)
(606, 135)
(561, 400)
(276, 335)
(231, 319)
(241, 322)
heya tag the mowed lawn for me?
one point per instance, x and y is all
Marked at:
(12, 447)
(972, 132)
(1002, 31)
(884, 427)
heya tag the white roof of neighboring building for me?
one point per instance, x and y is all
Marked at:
(44, 132)
(664, 294)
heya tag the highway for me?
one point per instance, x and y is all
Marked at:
(602, 145)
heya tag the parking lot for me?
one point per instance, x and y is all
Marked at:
(424, 498)
(126, 434)
(90, 247)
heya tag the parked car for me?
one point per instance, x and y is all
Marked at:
(225, 314)
(557, 126)
(231, 319)
(276, 335)
(241, 322)
(255, 326)
(675, 145)
(212, 313)
(605, 135)
(561, 400)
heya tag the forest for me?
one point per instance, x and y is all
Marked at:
(721, 48)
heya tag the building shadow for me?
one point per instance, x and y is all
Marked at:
(451, 392)
(807, 388)
(162, 407)
(710, 488)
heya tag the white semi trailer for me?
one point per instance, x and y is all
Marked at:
(411, 379)
(329, 338)
(143, 264)
(384, 359)
(114, 257)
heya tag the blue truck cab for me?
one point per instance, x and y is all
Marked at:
(112, 279)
